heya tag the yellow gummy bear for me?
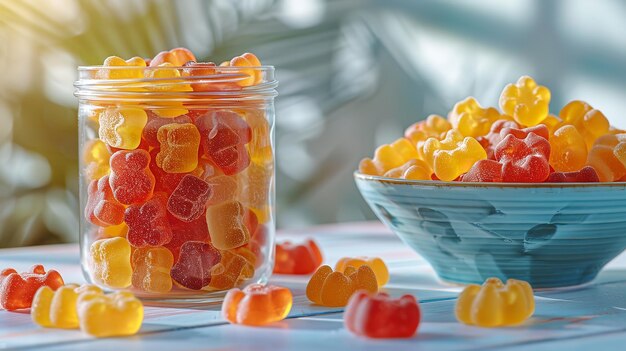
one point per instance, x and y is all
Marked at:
(414, 169)
(376, 264)
(121, 127)
(110, 262)
(57, 309)
(389, 156)
(167, 79)
(114, 314)
(433, 126)
(494, 304)
(109, 68)
(452, 156)
(471, 119)
(525, 101)
(96, 158)
(589, 122)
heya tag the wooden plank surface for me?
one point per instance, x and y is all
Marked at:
(593, 316)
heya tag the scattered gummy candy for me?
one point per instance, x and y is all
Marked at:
(333, 289)
(257, 305)
(380, 316)
(17, 290)
(495, 304)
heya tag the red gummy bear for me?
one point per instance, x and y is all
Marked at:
(130, 179)
(189, 199)
(165, 182)
(102, 209)
(586, 174)
(539, 129)
(297, 258)
(379, 316)
(196, 230)
(524, 160)
(484, 171)
(223, 138)
(493, 138)
(194, 265)
(17, 290)
(148, 224)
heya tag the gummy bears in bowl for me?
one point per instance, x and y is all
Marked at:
(514, 192)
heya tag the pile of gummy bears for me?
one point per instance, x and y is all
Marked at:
(520, 143)
(178, 194)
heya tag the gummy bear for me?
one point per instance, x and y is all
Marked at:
(527, 102)
(586, 174)
(195, 263)
(147, 223)
(257, 305)
(18, 289)
(333, 289)
(389, 156)
(379, 316)
(248, 61)
(484, 171)
(376, 264)
(223, 188)
(302, 258)
(589, 122)
(96, 158)
(131, 179)
(453, 155)
(471, 119)
(226, 225)
(414, 169)
(433, 127)
(223, 137)
(524, 160)
(568, 150)
(164, 182)
(260, 145)
(102, 208)
(254, 185)
(176, 57)
(186, 231)
(155, 123)
(608, 157)
(121, 127)
(115, 314)
(179, 148)
(110, 262)
(151, 269)
(57, 309)
(494, 304)
(493, 138)
(189, 199)
(231, 269)
(168, 79)
(112, 68)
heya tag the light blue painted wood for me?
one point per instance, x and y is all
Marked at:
(593, 317)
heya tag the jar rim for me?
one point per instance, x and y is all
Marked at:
(224, 83)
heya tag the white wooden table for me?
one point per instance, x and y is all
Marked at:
(590, 318)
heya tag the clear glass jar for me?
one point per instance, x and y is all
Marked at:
(176, 178)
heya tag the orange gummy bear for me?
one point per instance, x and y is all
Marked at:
(333, 289)
(389, 156)
(608, 157)
(434, 126)
(179, 147)
(568, 150)
(257, 304)
(376, 264)
(226, 225)
(589, 122)
(151, 269)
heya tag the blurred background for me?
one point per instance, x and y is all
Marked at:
(353, 74)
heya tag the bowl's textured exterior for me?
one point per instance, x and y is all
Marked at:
(550, 235)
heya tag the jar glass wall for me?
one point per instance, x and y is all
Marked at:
(176, 179)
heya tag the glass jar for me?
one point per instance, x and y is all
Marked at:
(176, 178)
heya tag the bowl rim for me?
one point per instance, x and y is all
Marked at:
(440, 184)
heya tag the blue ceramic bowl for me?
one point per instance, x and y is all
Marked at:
(550, 235)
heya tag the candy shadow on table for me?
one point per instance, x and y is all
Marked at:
(550, 237)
